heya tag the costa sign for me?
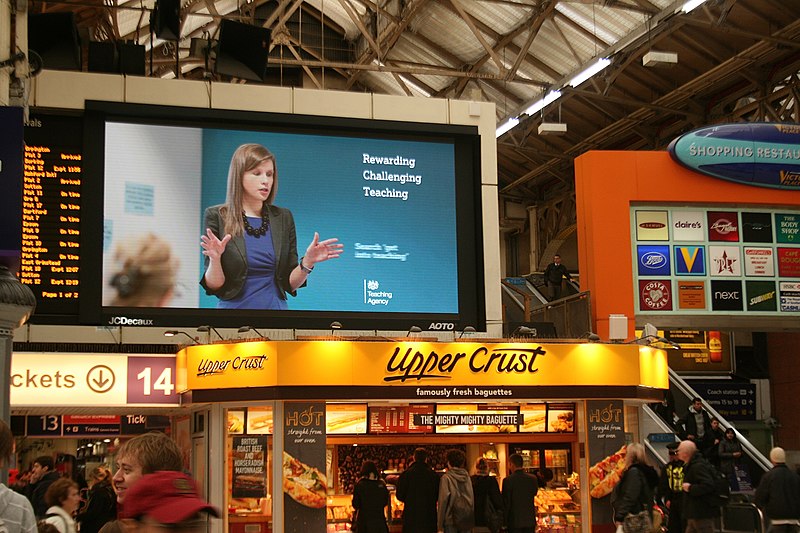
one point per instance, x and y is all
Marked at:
(759, 154)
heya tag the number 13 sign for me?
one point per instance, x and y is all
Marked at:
(151, 380)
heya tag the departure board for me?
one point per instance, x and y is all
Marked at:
(51, 212)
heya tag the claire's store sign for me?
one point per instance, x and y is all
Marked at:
(760, 154)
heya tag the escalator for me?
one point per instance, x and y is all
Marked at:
(655, 433)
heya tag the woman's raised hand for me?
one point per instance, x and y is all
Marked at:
(213, 247)
(319, 251)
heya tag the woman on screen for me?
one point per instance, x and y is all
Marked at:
(250, 246)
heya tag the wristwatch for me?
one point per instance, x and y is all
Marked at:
(305, 268)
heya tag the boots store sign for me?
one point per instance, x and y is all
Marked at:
(81, 379)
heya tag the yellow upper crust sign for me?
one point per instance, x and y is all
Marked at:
(413, 364)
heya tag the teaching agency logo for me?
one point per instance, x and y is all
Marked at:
(375, 295)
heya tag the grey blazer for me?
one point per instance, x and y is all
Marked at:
(234, 259)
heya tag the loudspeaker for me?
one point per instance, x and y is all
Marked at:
(103, 57)
(166, 19)
(54, 36)
(131, 59)
(242, 51)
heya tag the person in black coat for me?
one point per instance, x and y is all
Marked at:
(485, 487)
(370, 500)
(101, 506)
(43, 474)
(634, 492)
(698, 489)
(778, 495)
(519, 490)
(554, 275)
(418, 489)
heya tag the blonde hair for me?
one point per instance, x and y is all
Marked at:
(246, 157)
(635, 454)
(146, 272)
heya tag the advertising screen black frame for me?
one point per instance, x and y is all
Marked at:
(469, 234)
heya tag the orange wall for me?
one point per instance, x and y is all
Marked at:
(606, 184)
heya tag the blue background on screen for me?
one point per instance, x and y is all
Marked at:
(320, 179)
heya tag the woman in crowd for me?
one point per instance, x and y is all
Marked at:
(634, 492)
(488, 500)
(101, 506)
(730, 450)
(250, 244)
(63, 498)
(370, 501)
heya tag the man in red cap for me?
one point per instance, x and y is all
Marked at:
(165, 499)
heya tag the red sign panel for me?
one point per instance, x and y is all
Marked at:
(723, 226)
(655, 295)
(789, 262)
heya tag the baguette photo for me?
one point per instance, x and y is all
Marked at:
(260, 423)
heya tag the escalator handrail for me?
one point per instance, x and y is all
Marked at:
(749, 505)
(663, 426)
(753, 452)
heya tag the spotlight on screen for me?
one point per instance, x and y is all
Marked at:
(245, 329)
(242, 51)
(174, 332)
(467, 329)
(413, 329)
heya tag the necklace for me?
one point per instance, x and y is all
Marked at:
(256, 232)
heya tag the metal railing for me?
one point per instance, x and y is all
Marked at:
(741, 517)
(751, 451)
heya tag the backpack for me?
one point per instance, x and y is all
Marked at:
(722, 488)
(462, 512)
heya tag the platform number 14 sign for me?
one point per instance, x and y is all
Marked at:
(151, 380)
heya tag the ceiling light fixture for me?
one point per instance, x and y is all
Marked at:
(506, 126)
(690, 5)
(590, 71)
(548, 99)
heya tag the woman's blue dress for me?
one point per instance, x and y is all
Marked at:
(260, 289)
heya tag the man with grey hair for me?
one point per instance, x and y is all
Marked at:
(698, 508)
(778, 495)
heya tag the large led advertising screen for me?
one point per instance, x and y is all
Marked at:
(271, 220)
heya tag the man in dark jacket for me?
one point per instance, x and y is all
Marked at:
(696, 423)
(554, 275)
(778, 495)
(42, 476)
(698, 509)
(418, 489)
(519, 490)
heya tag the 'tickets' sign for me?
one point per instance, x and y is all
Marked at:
(305, 483)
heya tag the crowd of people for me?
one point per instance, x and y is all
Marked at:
(148, 492)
